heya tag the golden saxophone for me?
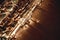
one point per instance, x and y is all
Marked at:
(18, 15)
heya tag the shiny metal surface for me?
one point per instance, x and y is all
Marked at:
(11, 23)
(28, 20)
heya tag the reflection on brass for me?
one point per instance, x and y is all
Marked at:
(18, 14)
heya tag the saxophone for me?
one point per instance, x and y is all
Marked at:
(18, 13)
